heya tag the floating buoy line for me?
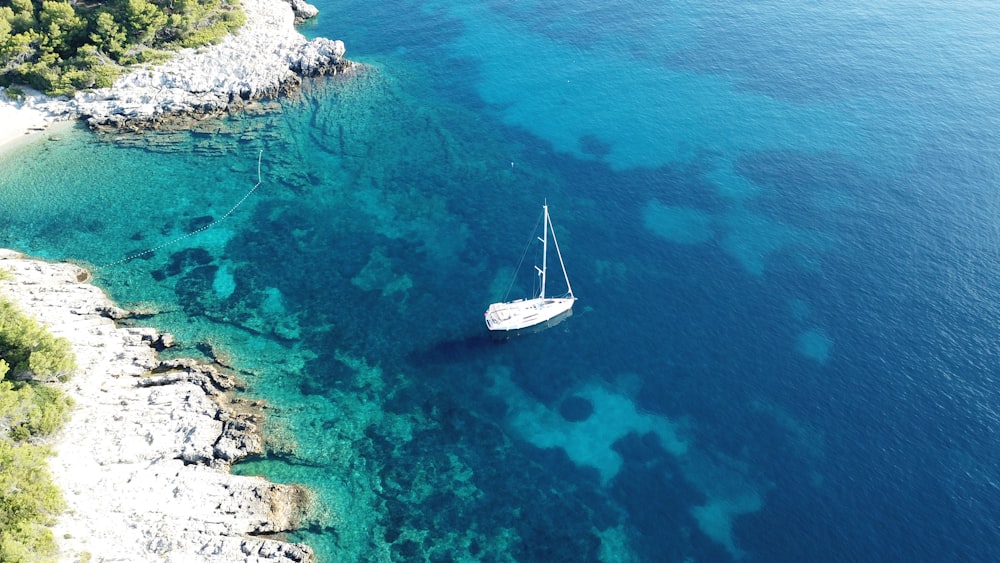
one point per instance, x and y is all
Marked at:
(196, 231)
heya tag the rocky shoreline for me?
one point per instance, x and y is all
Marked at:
(143, 463)
(268, 57)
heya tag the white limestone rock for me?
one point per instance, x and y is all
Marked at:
(260, 60)
(143, 463)
(303, 10)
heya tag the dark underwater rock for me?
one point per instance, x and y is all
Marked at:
(576, 409)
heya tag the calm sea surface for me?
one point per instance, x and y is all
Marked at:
(780, 219)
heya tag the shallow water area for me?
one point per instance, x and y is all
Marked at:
(783, 268)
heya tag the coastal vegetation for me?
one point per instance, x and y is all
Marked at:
(60, 46)
(30, 410)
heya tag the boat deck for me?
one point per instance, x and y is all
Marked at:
(524, 313)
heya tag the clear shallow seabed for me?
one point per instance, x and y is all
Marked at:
(780, 220)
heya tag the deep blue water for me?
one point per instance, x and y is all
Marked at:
(779, 218)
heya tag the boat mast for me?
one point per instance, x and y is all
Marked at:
(545, 247)
(569, 288)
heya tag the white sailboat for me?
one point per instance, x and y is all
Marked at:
(524, 313)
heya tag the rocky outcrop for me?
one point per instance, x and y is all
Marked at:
(143, 463)
(303, 10)
(266, 58)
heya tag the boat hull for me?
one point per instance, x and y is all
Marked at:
(525, 313)
(503, 335)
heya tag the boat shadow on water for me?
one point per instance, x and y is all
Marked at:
(475, 345)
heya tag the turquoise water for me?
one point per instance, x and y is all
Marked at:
(779, 220)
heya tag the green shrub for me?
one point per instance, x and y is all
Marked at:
(142, 20)
(105, 75)
(33, 409)
(22, 16)
(29, 501)
(210, 35)
(51, 45)
(28, 347)
(13, 93)
(39, 76)
(153, 56)
(61, 28)
(108, 36)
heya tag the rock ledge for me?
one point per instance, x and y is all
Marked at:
(143, 463)
(267, 57)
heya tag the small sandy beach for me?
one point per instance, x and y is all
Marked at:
(26, 120)
(21, 123)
